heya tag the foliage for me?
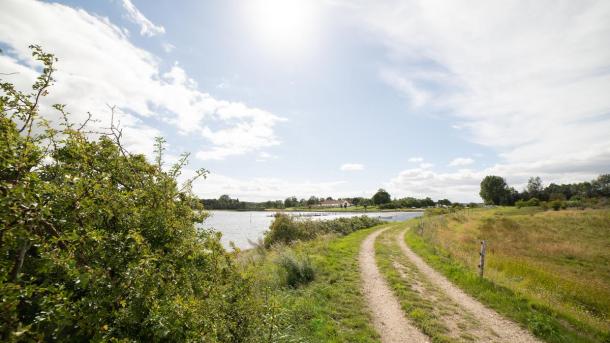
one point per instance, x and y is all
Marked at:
(330, 308)
(534, 186)
(297, 270)
(98, 244)
(285, 229)
(593, 192)
(291, 202)
(410, 202)
(381, 197)
(556, 205)
(494, 190)
(526, 203)
(225, 202)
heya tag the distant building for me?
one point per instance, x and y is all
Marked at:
(335, 203)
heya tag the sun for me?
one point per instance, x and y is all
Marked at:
(287, 26)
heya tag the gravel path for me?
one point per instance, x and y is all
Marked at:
(505, 329)
(388, 317)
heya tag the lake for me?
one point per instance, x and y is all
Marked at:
(239, 227)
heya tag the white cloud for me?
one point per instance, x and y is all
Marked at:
(261, 189)
(426, 165)
(415, 159)
(421, 182)
(529, 80)
(99, 66)
(461, 161)
(147, 28)
(351, 167)
(265, 156)
(417, 96)
(464, 184)
(168, 47)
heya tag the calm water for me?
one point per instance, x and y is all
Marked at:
(239, 227)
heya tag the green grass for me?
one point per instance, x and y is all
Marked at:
(424, 312)
(329, 309)
(548, 271)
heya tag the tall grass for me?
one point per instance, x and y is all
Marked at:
(327, 306)
(296, 270)
(558, 263)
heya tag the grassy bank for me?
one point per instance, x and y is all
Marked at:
(330, 308)
(549, 271)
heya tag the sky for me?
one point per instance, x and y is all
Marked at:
(280, 98)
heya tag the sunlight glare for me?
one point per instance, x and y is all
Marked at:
(286, 26)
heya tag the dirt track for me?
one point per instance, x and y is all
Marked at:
(388, 317)
(505, 330)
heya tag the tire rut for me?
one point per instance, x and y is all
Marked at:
(388, 317)
(506, 330)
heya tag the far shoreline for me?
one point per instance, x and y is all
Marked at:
(323, 210)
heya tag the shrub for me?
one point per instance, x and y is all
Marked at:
(533, 202)
(296, 270)
(527, 203)
(97, 244)
(282, 230)
(556, 205)
(285, 229)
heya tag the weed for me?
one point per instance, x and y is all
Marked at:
(296, 270)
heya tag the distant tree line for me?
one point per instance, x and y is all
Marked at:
(381, 198)
(225, 202)
(495, 191)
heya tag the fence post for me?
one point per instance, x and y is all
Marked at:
(482, 258)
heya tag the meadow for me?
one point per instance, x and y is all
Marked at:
(549, 270)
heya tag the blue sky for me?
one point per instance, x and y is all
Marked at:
(336, 98)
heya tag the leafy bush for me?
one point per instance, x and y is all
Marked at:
(533, 202)
(296, 270)
(98, 244)
(285, 229)
(556, 205)
(527, 203)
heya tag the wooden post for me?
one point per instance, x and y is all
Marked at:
(482, 258)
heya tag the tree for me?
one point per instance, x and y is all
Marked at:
(534, 187)
(313, 200)
(444, 202)
(601, 186)
(291, 202)
(381, 197)
(365, 202)
(494, 190)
